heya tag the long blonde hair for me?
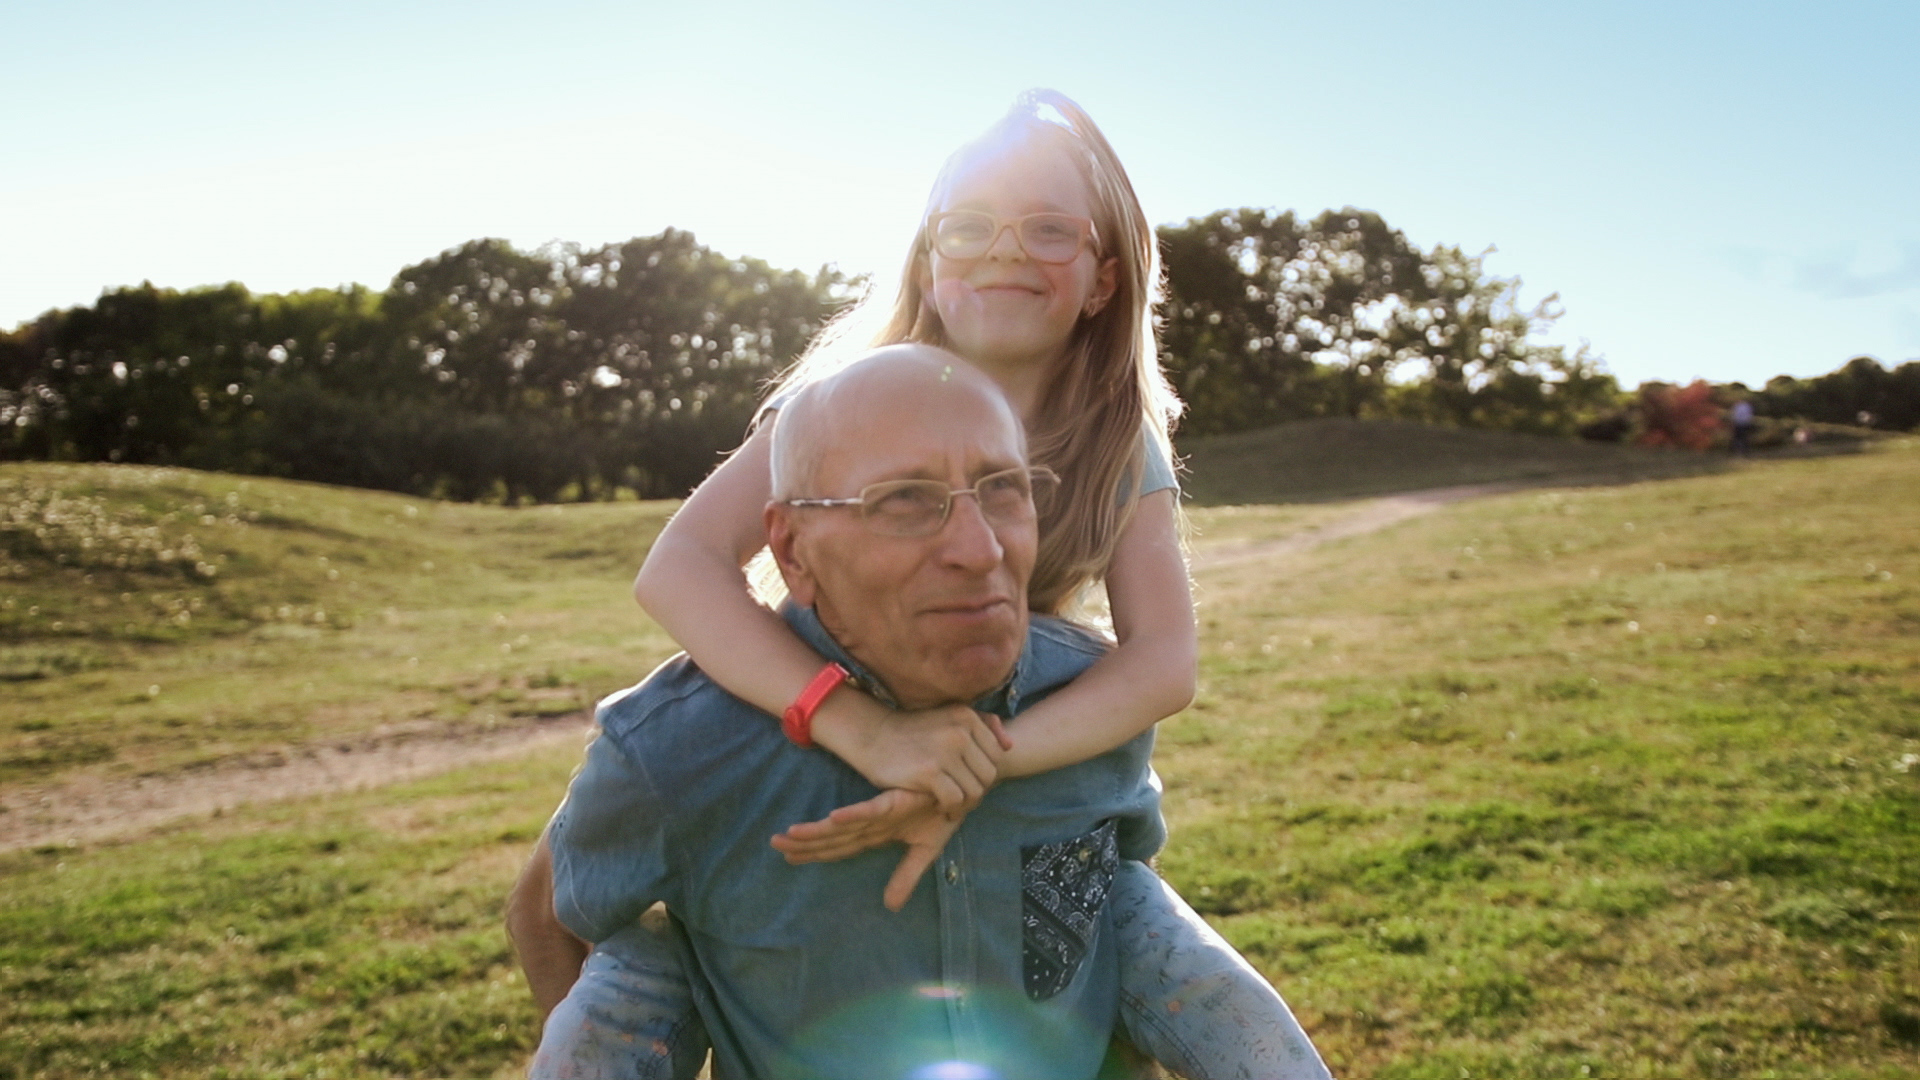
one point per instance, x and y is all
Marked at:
(1099, 400)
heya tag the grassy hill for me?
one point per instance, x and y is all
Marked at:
(1315, 460)
(1595, 781)
(1598, 781)
(157, 619)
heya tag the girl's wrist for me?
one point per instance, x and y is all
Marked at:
(797, 720)
(847, 721)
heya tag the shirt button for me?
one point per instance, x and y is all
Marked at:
(953, 873)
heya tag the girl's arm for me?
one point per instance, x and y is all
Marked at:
(692, 585)
(1149, 677)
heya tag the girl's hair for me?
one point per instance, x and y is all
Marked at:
(1108, 391)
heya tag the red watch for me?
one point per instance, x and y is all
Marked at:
(797, 721)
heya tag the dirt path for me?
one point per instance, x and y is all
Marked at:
(89, 808)
(1365, 517)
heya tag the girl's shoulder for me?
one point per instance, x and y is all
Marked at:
(1155, 471)
(1050, 638)
(781, 394)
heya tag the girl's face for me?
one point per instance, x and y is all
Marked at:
(1003, 310)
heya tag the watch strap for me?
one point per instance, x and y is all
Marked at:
(797, 721)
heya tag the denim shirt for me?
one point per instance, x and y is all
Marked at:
(1003, 958)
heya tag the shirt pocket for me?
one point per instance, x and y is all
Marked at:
(1063, 887)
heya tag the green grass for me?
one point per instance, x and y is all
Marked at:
(1609, 781)
(160, 618)
(357, 935)
(1612, 781)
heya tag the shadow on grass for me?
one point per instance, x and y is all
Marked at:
(1330, 459)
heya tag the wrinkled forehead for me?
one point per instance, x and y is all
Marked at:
(895, 430)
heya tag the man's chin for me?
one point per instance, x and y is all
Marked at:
(975, 656)
(961, 684)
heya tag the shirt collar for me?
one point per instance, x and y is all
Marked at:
(1003, 700)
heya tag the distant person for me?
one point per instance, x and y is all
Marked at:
(1036, 264)
(1742, 420)
(796, 971)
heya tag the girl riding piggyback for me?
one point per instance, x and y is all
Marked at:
(1036, 264)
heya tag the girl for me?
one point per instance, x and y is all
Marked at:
(1037, 264)
(1067, 334)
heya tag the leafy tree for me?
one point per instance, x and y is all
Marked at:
(671, 345)
(1464, 353)
(1269, 320)
(478, 321)
(1889, 399)
(1221, 337)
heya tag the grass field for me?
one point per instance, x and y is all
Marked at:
(1596, 781)
(1611, 781)
(159, 619)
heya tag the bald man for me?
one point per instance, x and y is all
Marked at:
(903, 524)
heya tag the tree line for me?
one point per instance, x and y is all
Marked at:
(485, 372)
(1861, 392)
(488, 372)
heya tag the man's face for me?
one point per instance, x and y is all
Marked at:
(939, 618)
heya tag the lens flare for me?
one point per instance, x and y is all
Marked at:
(935, 1031)
(954, 1070)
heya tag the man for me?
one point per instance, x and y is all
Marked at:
(1742, 419)
(998, 964)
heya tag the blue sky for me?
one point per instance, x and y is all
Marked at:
(1714, 189)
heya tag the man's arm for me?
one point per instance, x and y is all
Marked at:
(549, 953)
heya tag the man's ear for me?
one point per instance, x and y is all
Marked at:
(783, 541)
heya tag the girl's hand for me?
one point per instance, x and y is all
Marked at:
(908, 817)
(951, 753)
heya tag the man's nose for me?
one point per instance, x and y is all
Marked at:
(967, 540)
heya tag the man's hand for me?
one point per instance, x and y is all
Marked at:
(951, 753)
(908, 817)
